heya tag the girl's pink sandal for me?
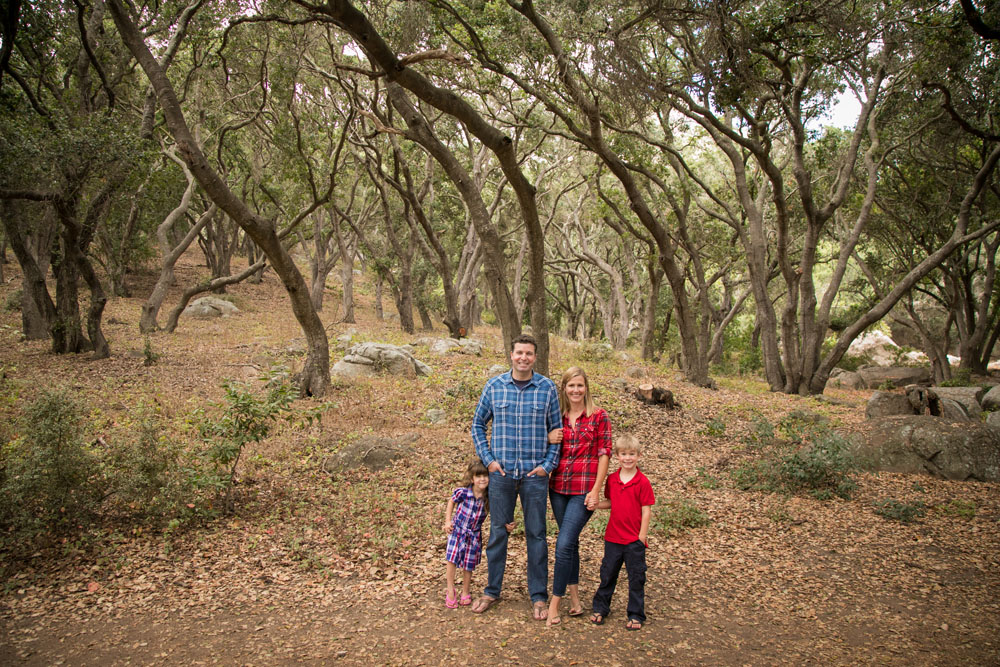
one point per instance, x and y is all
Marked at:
(450, 602)
(465, 600)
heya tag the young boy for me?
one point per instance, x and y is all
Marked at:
(630, 496)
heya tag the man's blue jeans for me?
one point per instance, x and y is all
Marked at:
(572, 515)
(504, 492)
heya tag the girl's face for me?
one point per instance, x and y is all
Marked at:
(576, 390)
(480, 482)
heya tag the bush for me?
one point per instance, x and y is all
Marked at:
(246, 418)
(675, 516)
(591, 351)
(143, 474)
(814, 460)
(48, 472)
(13, 302)
(894, 510)
(960, 377)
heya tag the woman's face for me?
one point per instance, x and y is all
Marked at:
(576, 390)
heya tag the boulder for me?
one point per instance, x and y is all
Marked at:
(887, 404)
(924, 444)
(471, 346)
(991, 399)
(443, 346)
(953, 411)
(993, 420)
(497, 369)
(967, 396)
(436, 416)
(876, 346)
(899, 376)
(372, 452)
(208, 307)
(370, 359)
(635, 372)
(842, 379)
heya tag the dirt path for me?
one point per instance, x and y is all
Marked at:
(349, 570)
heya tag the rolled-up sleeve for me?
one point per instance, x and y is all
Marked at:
(481, 417)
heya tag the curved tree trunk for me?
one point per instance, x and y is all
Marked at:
(315, 377)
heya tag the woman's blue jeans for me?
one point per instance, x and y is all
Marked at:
(571, 515)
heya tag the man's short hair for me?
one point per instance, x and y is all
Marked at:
(627, 443)
(526, 339)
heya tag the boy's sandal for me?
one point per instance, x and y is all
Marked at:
(450, 602)
(465, 600)
(633, 624)
(597, 619)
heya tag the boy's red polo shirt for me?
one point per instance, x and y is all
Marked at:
(627, 501)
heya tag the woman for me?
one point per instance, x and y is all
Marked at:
(575, 486)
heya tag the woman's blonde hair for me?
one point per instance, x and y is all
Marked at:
(588, 402)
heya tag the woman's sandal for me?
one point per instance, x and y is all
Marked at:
(597, 619)
(576, 612)
(633, 624)
(465, 600)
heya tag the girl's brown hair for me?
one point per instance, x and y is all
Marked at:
(588, 402)
(475, 469)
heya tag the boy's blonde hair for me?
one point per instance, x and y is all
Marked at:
(627, 443)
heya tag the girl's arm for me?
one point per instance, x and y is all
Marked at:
(448, 525)
(593, 498)
(647, 513)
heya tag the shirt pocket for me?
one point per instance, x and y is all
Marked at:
(503, 412)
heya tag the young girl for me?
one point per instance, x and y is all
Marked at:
(463, 521)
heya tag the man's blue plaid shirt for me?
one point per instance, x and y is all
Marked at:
(522, 419)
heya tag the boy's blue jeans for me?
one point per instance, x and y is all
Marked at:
(504, 492)
(634, 557)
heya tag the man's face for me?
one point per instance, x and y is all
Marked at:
(522, 357)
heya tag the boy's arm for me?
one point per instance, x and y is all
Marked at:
(604, 505)
(647, 513)
(448, 525)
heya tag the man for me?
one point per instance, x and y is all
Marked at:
(524, 409)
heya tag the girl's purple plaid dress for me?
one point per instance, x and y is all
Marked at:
(465, 543)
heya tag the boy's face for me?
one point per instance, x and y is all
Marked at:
(628, 458)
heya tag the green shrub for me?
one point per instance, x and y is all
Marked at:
(960, 377)
(964, 509)
(703, 479)
(149, 356)
(595, 351)
(246, 419)
(13, 302)
(715, 428)
(894, 510)
(673, 517)
(819, 464)
(143, 475)
(761, 433)
(48, 472)
(853, 363)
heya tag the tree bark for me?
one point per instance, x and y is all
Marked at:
(315, 377)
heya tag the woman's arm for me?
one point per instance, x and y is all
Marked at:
(593, 498)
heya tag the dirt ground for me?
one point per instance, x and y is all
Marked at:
(317, 569)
